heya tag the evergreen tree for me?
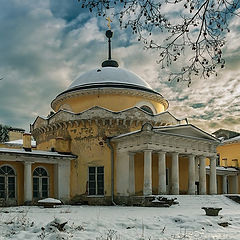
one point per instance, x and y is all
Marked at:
(4, 130)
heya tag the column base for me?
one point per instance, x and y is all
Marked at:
(147, 192)
(28, 203)
(175, 190)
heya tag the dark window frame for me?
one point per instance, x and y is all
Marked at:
(96, 180)
(40, 174)
(8, 175)
(147, 109)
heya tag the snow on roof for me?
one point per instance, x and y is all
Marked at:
(227, 169)
(186, 126)
(19, 142)
(160, 130)
(109, 75)
(35, 152)
(231, 140)
(126, 134)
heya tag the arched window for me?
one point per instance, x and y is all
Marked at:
(7, 182)
(147, 109)
(40, 183)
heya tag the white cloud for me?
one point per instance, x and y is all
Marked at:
(42, 52)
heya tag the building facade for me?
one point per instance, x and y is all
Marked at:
(111, 139)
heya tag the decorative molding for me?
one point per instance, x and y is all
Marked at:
(112, 91)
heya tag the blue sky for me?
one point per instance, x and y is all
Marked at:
(46, 44)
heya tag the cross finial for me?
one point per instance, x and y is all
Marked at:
(109, 22)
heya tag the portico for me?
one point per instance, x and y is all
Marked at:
(162, 154)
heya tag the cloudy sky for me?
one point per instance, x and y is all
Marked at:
(45, 44)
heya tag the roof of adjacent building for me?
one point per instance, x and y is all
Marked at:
(35, 153)
(232, 140)
(225, 134)
(19, 142)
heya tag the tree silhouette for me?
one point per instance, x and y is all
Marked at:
(198, 30)
(4, 137)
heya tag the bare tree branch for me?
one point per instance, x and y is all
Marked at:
(198, 30)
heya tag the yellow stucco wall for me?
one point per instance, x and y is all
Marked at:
(81, 103)
(14, 135)
(88, 144)
(229, 152)
(139, 173)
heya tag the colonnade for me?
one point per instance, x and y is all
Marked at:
(174, 189)
(229, 184)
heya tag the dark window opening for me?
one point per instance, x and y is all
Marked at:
(40, 183)
(96, 180)
(146, 109)
(7, 182)
(167, 176)
(218, 160)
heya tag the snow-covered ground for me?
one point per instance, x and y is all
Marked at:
(184, 221)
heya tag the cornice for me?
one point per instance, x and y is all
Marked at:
(129, 92)
(100, 117)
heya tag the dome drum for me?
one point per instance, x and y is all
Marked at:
(109, 81)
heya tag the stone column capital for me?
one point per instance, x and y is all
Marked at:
(132, 154)
(175, 153)
(28, 163)
(201, 157)
(161, 152)
(147, 150)
(192, 155)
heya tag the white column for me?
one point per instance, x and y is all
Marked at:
(213, 176)
(28, 182)
(63, 181)
(191, 174)
(202, 175)
(235, 184)
(147, 185)
(175, 174)
(224, 182)
(131, 174)
(162, 189)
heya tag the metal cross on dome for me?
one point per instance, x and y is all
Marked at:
(109, 22)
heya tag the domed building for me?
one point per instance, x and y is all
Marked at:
(111, 140)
